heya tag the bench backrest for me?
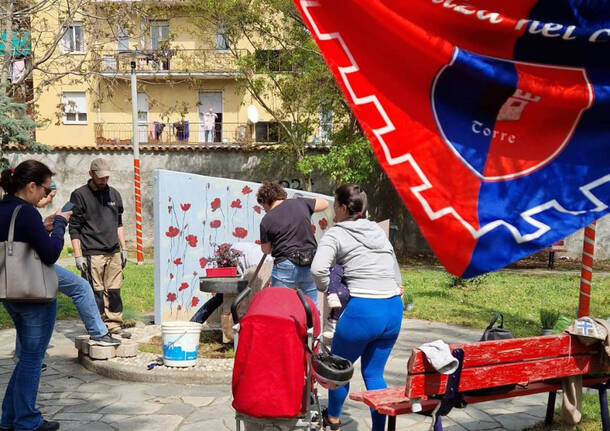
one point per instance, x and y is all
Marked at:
(505, 362)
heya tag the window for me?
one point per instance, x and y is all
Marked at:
(75, 107)
(222, 41)
(73, 40)
(326, 124)
(122, 39)
(159, 32)
(142, 108)
(266, 131)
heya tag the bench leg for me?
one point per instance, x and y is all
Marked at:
(392, 423)
(550, 408)
(603, 406)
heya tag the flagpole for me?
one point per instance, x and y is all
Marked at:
(136, 162)
(586, 271)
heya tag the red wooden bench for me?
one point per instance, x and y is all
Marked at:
(534, 365)
(558, 247)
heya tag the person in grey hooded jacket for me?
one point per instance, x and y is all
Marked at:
(369, 326)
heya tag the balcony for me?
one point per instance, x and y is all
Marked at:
(178, 134)
(179, 63)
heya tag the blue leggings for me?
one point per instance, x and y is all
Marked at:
(368, 328)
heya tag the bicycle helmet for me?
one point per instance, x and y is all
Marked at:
(331, 371)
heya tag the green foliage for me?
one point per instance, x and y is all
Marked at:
(284, 72)
(562, 323)
(15, 125)
(590, 417)
(548, 318)
(350, 159)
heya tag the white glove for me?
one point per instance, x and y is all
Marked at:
(81, 264)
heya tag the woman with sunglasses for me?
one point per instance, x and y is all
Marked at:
(26, 185)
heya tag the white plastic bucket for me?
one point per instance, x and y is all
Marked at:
(180, 343)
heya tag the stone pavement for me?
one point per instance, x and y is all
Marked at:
(80, 399)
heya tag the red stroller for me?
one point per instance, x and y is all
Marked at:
(272, 382)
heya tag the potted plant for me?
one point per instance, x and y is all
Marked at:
(548, 319)
(225, 261)
(407, 300)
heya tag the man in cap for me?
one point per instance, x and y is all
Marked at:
(98, 241)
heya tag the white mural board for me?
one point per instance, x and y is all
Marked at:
(191, 214)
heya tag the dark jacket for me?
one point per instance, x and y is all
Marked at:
(29, 228)
(97, 216)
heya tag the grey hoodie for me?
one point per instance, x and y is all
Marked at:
(367, 258)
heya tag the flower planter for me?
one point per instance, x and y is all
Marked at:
(546, 331)
(221, 272)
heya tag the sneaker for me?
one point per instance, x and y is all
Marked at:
(43, 368)
(106, 340)
(329, 330)
(326, 425)
(121, 333)
(48, 426)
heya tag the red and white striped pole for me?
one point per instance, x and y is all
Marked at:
(586, 271)
(136, 162)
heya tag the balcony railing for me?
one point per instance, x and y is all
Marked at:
(183, 133)
(169, 61)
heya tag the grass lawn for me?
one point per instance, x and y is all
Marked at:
(590, 416)
(137, 294)
(517, 295)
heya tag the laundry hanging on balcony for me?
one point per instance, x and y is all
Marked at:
(181, 129)
(490, 118)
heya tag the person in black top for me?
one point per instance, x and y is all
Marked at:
(96, 230)
(286, 234)
(25, 186)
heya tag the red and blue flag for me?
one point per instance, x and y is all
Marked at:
(492, 119)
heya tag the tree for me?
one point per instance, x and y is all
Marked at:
(285, 73)
(15, 125)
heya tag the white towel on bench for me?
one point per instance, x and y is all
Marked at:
(440, 357)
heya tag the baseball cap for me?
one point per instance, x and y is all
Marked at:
(101, 167)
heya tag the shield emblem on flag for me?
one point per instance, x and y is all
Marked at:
(501, 117)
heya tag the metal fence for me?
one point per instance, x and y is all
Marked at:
(170, 60)
(181, 133)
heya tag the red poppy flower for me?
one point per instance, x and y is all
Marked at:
(179, 307)
(169, 208)
(323, 224)
(194, 301)
(183, 286)
(258, 241)
(240, 232)
(246, 190)
(257, 209)
(171, 276)
(172, 232)
(215, 204)
(215, 224)
(313, 229)
(178, 261)
(171, 297)
(192, 240)
(236, 203)
(185, 207)
(202, 262)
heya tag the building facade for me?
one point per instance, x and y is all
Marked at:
(188, 89)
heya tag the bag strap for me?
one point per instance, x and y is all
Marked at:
(11, 230)
(494, 319)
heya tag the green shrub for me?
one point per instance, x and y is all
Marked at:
(548, 318)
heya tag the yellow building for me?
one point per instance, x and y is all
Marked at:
(181, 76)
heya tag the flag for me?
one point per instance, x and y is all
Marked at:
(490, 118)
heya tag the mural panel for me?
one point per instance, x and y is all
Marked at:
(193, 213)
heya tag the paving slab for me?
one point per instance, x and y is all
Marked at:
(82, 400)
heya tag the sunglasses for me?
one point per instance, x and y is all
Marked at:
(47, 190)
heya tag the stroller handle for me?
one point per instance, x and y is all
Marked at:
(306, 307)
(235, 304)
